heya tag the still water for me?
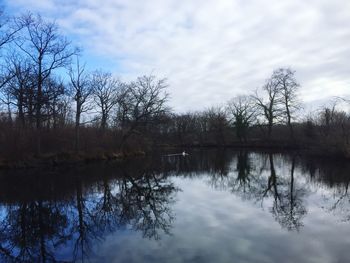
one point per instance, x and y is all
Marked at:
(210, 206)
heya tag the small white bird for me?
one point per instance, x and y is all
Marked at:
(184, 153)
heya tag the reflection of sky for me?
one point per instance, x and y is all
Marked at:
(216, 226)
(215, 220)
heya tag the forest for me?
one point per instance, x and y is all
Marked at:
(54, 110)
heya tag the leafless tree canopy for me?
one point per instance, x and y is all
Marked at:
(140, 104)
(288, 88)
(81, 90)
(242, 111)
(105, 89)
(278, 98)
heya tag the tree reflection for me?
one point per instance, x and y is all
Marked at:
(244, 182)
(31, 231)
(83, 226)
(335, 175)
(34, 231)
(146, 204)
(288, 207)
(243, 169)
(341, 201)
(71, 212)
(261, 182)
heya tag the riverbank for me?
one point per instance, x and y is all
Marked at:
(73, 158)
(66, 158)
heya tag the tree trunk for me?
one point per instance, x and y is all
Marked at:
(289, 122)
(38, 110)
(77, 128)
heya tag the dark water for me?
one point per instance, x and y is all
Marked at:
(212, 206)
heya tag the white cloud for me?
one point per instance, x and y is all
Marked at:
(213, 50)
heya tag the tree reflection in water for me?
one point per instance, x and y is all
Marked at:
(34, 230)
(31, 231)
(60, 215)
(334, 176)
(258, 180)
(288, 207)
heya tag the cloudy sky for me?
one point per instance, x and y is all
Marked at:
(209, 50)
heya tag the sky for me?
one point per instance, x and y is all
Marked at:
(209, 50)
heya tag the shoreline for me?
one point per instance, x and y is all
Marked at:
(80, 158)
(66, 159)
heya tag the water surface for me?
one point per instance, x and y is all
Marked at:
(210, 206)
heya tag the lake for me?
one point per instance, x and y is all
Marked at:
(209, 206)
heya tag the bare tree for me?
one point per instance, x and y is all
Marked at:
(105, 90)
(18, 88)
(288, 88)
(141, 103)
(326, 118)
(47, 50)
(241, 111)
(333, 125)
(53, 100)
(217, 124)
(184, 128)
(8, 31)
(82, 90)
(270, 103)
(5, 99)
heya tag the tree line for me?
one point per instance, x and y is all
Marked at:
(271, 116)
(51, 103)
(37, 99)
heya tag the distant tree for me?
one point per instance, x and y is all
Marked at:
(309, 127)
(82, 90)
(140, 104)
(5, 100)
(20, 87)
(202, 126)
(185, 127)
(270, 103)
(326, 118)
(53, 93)
(334, 125)
(63, 113)
(105, 91)
(217, 125)
(288, 88)
(241, 111)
